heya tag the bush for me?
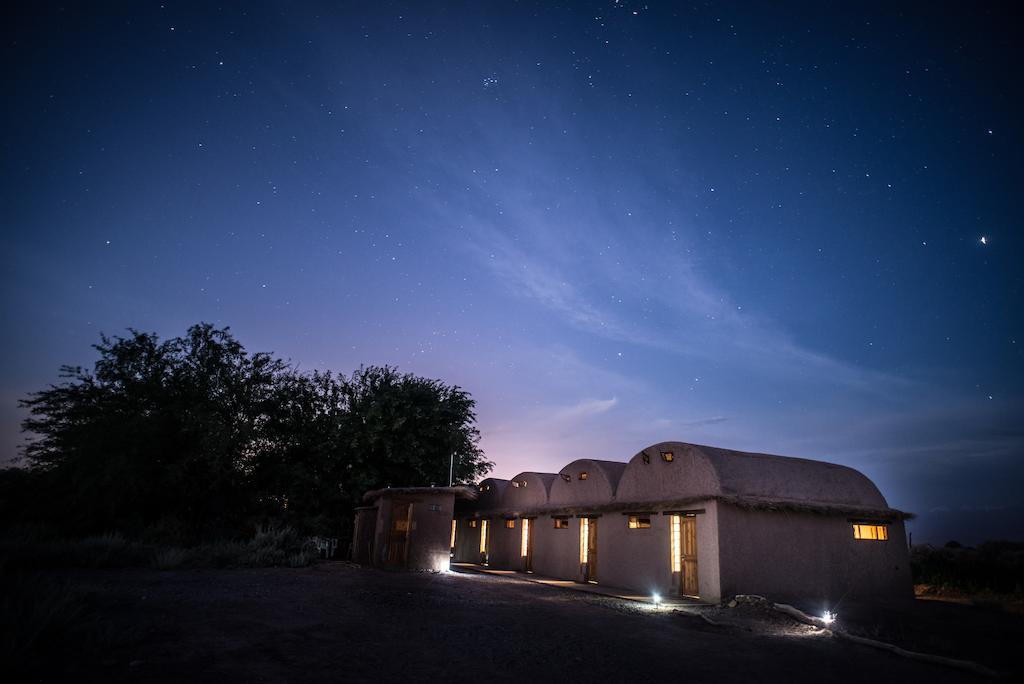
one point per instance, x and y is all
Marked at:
(272, 547)
(112, 550)
(170, 558)
(994, 567)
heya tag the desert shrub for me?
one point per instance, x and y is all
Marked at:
(170, 558)
(303, 558)
(267, 548)
(222, 554)
(24, 551)
(995, 567)
(280, 546)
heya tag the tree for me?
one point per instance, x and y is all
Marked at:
(403, 430)
(156, 430)
(195, 434)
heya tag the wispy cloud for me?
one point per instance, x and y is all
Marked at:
(703, 421)
(571, 248)
(584, 409)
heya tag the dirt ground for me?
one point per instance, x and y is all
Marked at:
(339, 622)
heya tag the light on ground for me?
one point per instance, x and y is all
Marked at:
(829, 617)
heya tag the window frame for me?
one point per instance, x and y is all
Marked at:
(636, 521)
(870, 530)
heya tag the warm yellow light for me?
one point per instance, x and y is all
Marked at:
(637, 522)
(525, 545)
(584, 536)
(483, 536)
(872, 532)
(452, 545)
(677, 539)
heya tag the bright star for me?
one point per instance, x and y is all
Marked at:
(984, 240)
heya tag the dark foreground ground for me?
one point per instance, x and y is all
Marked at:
(339, 622)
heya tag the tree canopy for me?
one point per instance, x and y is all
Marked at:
(198, 437)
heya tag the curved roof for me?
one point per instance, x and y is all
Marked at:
(528, 491)
(490, 492)
(703, 471)
(599, 486)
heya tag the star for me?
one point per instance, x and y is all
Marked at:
(984, 240)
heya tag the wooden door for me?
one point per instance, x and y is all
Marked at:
(527, 545)
(398, 535)
(591, 574)
(485, 540)
(688, 585)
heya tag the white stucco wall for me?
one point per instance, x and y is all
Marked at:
(556, 552)
(467, 542)
(784, 555)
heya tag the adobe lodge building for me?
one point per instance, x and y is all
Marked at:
(677, 520)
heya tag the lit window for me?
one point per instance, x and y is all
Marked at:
(584, 538)
(515, 483)
(566, 477)
(583, 475)
(647, 458)
(639, 522)
(873, 532)
(561, 523)
(524, 548)
(510, 524)
(453, 535)
(667, 456)
(472, 523)
(483, 536)
(677, 542)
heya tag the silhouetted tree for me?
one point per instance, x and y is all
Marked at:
(194, 434)
(156, 430)
(406, 430)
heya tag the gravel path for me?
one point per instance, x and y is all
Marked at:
(339, 622)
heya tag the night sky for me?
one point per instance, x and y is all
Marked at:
(791, 229)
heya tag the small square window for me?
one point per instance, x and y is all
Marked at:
(567, 477)
(647, 458)
(472, 523)
(583, 475)
(667, 456)
(561, 523)
(639, 522)
(510, 524)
